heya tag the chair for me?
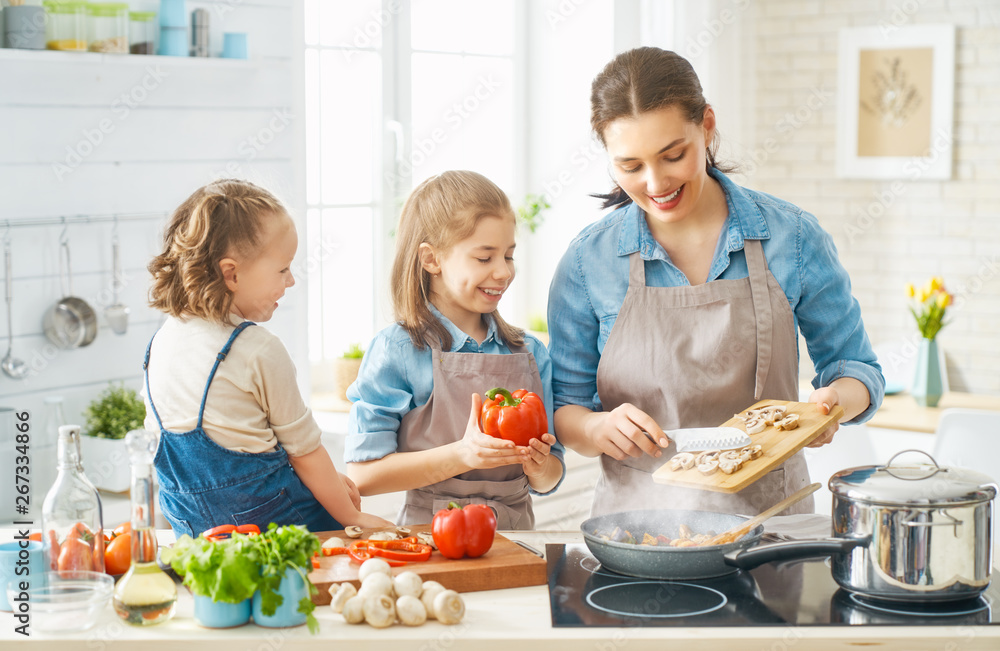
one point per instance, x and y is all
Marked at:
(851, 447)
(970, 438)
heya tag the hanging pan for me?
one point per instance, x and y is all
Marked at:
(71, 322)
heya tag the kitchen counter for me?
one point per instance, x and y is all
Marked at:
(496, 620)
(901, 411)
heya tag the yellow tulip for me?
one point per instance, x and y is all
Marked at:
(923, 294)
(937, 282)
(909, 290)
(943, 300)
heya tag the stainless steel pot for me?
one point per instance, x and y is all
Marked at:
(664, 562)
(907, 532)
(71, 322)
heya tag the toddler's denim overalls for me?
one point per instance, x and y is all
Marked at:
(203, 484)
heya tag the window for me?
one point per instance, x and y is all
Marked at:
(396, 91)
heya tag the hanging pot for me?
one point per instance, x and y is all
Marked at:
(913, 532)
(71, 322)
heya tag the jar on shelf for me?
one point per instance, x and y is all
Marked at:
(108, 27)
(141, 32)
(67, 25)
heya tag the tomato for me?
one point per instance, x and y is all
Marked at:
(75, 555)
(125, 527)
(118, 555)
(36, 536)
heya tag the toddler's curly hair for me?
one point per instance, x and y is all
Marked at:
(222, 219)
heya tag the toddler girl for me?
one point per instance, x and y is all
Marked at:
(410, 425)
(237, 443)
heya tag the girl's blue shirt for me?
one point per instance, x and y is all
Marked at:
(590, 282)
(395, 377)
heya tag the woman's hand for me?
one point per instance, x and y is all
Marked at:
(535, 454)
(626, 431)
(477, 450)
(827, 398)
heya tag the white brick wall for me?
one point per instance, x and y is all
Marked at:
(947, 228)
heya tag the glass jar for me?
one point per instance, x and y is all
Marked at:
(67, 25)
(72, 523)
(141, 32)
(108, 27)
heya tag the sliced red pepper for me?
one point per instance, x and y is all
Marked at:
(400, 550)
(332, 551)
(361, 551)
(223, 531)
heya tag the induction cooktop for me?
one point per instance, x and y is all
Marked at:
(799, 593)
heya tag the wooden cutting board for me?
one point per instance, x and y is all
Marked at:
(777, 445)
(506, 565)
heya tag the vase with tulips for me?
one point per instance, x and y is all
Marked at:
(929, 305)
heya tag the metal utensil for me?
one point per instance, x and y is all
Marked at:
(741, 530)
(116, 313)
(696, 439)
(15, 368)
(71, 322)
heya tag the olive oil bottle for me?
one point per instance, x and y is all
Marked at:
(145, 595)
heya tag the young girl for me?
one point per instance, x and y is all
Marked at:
(409, 425)
(237, 444)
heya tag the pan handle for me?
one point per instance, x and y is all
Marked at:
(752, 557)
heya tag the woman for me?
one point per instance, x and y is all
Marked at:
(682, 306)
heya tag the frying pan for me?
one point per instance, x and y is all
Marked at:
(71, 322)
(664, 562)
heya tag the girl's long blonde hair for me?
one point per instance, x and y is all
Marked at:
(441, 211)
(219, 220)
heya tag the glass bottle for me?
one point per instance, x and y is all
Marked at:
(145, 595)
(44, 448)
(72, 525)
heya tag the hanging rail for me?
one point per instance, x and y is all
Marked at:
(81, 219)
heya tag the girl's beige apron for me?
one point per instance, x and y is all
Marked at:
(688, 357)
(442, 420)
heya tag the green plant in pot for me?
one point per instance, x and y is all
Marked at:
(267, 574)
(346, 369)
(109, 417)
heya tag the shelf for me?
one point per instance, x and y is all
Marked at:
(53, 56)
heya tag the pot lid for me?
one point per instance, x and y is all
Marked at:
(913, 482)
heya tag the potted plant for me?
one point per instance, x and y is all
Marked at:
(346, 369)
(109, 418)
(530, 212)
(264, 574)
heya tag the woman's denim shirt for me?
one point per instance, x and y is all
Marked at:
(590, 282)
(395, 377)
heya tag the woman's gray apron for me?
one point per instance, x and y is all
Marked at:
(442, 420)
(692, 356)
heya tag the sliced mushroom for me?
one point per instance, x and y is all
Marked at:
(426, 538)
(403, 532)
(756, 451)
(706, 456)
(788, 422)
(684, 532)
(729, 466)
(353, 532)
(340, 593)
(682, 461)
(732, 455)
(745, 454)
(384, 535)
(708, 467)
(755, 425)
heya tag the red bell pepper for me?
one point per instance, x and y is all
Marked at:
(460, 532)
(517, 417)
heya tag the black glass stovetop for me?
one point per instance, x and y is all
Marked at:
(581, 593)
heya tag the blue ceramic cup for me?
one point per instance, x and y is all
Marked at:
(173, 42)
(218, 614)
(234, 45)
(23, 560)
(292, 590)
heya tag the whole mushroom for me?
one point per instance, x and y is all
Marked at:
(408, 584)
(379, 611)
(373, 566)
(353, 611)
(376, 584)
(449, 607)
(431, 589)
(340, 594)
(411, 611)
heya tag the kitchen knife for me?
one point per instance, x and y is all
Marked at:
(696, 439)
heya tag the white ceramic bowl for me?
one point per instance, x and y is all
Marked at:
(64, 602)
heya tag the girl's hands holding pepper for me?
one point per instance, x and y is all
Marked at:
(477, 450)
(535, 454)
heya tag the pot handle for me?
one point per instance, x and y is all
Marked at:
(752, 557)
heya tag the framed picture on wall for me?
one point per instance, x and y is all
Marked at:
(895, 102)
